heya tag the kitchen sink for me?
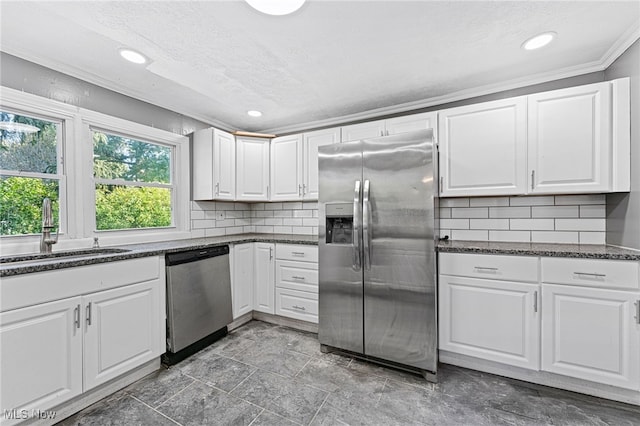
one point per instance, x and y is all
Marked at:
(61, 255)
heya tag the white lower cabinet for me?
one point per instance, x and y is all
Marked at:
(297, 282)
(242, 281)
(592, 334)
(302, 305)
(494, 320)
(41, 360)
(263, 284)
(121, 331)
(53, 351)
(578, 318)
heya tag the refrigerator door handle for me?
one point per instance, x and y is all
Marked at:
(366, 223)
(355, 244)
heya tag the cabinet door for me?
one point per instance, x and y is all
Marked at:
(569, 140)
(286, 168)
(224, 147)
(370, 129)
(312, 141)
(252, 172)
(591, 334)
(409, 123)
(483, 149)
(242, 282)
(41, 355)
(264, 278)
(492, 320)
(122, 330)
(202, 164)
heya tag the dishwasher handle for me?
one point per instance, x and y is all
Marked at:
(179, 258)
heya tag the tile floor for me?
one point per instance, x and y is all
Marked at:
(262, 374)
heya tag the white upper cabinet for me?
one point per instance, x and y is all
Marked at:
(214, 165)
(369, 129)
(483, 148)
(566, 141)
(570, 140)
(392, 126)
(410, 123)
(311, 142)
(286, 168)
(252, 174)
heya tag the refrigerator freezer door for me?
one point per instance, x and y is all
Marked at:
(340, 271)
(399, 271)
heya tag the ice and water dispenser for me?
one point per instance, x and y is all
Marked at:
(339, 223)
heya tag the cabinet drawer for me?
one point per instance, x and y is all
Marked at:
(590, 272)
(302, 276)
(297, 252)
(300, 305)
(496, 267)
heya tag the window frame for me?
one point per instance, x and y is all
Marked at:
(77, 193)
(94, 121)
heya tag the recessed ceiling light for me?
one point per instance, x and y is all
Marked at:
(11, 126)
(133, 56)
(539, 41)
(276, 7)
(254, 113)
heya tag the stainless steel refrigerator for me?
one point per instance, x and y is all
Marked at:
(377, 233)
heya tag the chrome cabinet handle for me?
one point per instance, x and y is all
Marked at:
(297, 278)
(218, 188)
(88, 314)
(300, 308)
(535, 301)
(270, 253)
(299, 190)
(441, 183)
(304, 188)
(637, 317)
(591, 274)
(366, 225)
(485, 269)
(355, 244)
(533, 175)
(76, 316)
(268, 193)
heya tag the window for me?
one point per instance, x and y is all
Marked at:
(133, 182)
(31, 169)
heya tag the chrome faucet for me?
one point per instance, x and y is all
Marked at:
(47, 225)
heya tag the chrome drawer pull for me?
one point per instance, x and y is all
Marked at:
(297, 278)
(300, 308)
(637, 317)
(297, 253)
(590, 274)
(484, 268)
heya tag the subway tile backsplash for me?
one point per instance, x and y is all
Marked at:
(540, 219)
(215, 218)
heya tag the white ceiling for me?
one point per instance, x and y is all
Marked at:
(330, 62)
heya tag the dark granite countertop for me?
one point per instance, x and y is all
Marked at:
(583, 251)
(132, 251)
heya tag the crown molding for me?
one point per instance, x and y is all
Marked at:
(618, 48)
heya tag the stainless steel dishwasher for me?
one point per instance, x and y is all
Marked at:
(198, 300)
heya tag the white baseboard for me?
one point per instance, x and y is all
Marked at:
(542, 378)
(84, 400)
